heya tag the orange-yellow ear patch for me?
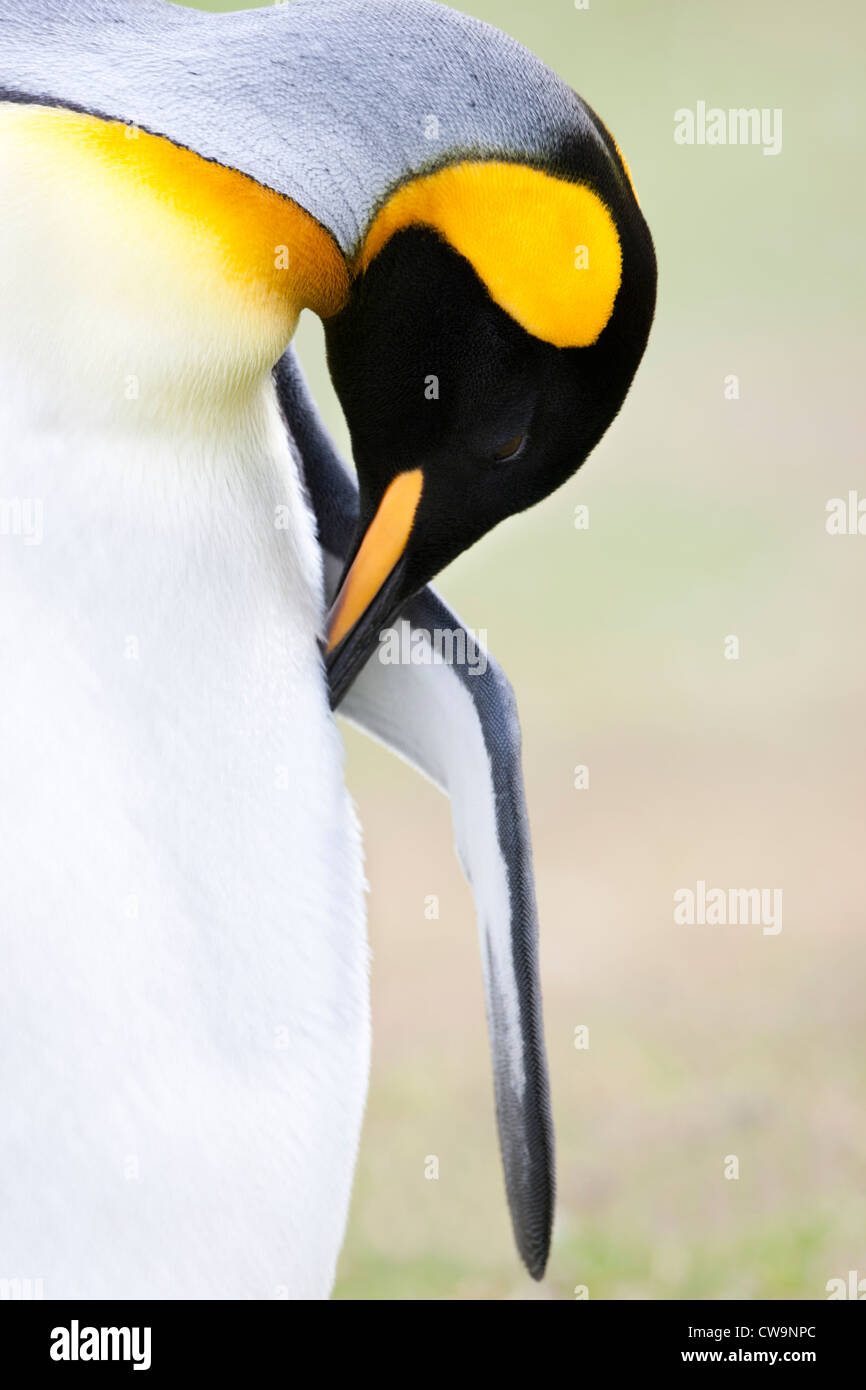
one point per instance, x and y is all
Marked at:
(547, 250)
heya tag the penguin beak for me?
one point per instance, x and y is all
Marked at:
(371, 591)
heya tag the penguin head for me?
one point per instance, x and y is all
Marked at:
(495, 321)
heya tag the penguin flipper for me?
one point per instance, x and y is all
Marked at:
(458, 725)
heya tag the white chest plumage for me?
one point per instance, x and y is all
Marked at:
(183, 1011)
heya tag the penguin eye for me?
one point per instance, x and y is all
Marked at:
(510, 448)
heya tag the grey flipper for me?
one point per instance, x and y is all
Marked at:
(458, 725)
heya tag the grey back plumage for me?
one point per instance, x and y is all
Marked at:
(331, 102)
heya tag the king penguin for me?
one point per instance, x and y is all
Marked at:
(192, 580)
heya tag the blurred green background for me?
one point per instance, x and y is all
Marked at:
(707, 518)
